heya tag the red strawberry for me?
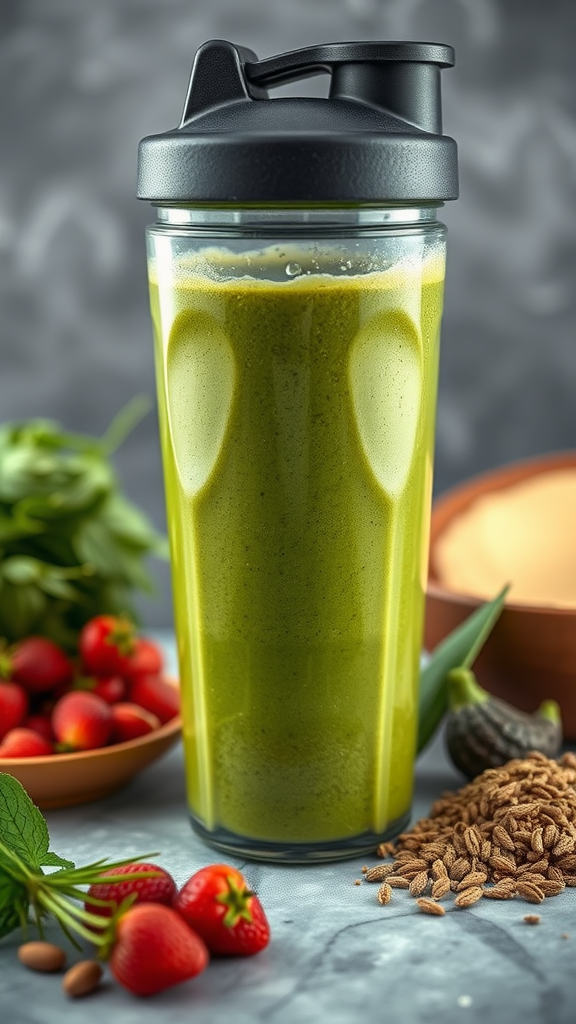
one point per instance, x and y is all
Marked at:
(147, 659)
(81, 721)
(24, 743)
(105, 644)
(160, 889)
(218, 904)
(155, 949)
(37, 664)
(112, 689)
(40, 724)
(130, 721)
(156, 695)
(13, 706)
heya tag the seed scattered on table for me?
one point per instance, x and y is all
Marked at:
(428, 906)
(532, 918)
(509, 833)
(384, 894)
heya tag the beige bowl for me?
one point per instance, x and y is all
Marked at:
(531, 654)
(61, 780)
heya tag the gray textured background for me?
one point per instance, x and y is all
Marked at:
(82, 81)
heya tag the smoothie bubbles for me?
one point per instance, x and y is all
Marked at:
(296, 278)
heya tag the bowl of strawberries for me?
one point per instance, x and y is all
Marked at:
(74, 729)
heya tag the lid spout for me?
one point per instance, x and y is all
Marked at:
(409, 91)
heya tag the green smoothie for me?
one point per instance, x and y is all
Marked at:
(297, 421)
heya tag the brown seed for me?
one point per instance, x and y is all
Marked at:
(358, 881)
(473, 878)
(42, 956)
(500, 863)
(440, 888)
(439, 870)
(501, 891)
(82, 978)
(428, 906)
(379, 873)
(538, 840)
(397, 882)
(485, 850)
(469, 896)
(550, 836)
(385, 850)
(570, 880)
(532, 918)
(384, 894)
(419, 884)
(554, 874)
(529, 891)
(551, 888)
(450, 856)
(567, 863)
(459, 869)
(501, 837)
(364, 870)
(564, 845)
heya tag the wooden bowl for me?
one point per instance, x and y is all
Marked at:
(531, 653)
(62, 780)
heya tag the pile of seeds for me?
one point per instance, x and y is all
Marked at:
(510, 832)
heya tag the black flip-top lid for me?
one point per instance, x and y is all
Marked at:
(376, 138)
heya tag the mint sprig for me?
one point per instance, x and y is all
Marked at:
(26, 891)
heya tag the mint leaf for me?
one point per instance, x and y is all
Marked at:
(22, 826)
(52, 860)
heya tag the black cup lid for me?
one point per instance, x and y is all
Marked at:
(377, 138)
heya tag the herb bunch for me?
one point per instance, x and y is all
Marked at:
(71, 545)
(26, 891)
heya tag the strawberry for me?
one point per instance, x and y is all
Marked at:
(24, 743)
(130, 721)
(155, 949)
(37, 663)
(112, 689)
(13, 706)
(147, 659)
(160, 889)
(40, 724)
(218, 904)
(81, 721)
(156, 695)
(105, 644)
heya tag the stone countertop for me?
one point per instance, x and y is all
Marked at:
(335, 956)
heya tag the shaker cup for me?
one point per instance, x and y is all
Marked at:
(296, 274)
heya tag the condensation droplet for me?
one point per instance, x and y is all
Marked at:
(293, 269)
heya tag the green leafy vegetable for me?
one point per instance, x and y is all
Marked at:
(25, 888)
(71, 545)
(458, 650)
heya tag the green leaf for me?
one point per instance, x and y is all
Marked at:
(52, 860)
(458, 650)
(93, 544)
(22, 826)
(20, 569)
(128, 523)
(21, 608)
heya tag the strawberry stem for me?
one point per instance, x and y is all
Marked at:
(236, 899)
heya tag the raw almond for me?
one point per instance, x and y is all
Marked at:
(42, 956)
(82, 979)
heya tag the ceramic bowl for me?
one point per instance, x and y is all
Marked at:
(531, 654)
(62, 780)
